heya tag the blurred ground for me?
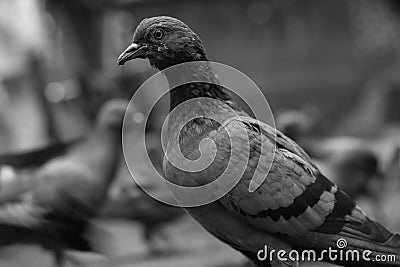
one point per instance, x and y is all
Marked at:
(190, 246)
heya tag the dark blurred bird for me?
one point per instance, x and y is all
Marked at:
(128, 201)
(16, 168)
(358, 172)
(299, 126)
(294, 124)
(35, 157)
(70, 189)
(295, 204)
(354, 169)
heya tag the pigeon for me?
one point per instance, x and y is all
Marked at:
(69, 191)
(128, 201)
(294, 208)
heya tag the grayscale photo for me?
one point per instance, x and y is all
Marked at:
(198, 133)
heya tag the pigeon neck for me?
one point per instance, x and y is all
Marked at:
(208, 87)
(194, 90)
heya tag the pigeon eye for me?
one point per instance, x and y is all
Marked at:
(158, 34)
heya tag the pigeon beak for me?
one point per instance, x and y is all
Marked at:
(133, 51)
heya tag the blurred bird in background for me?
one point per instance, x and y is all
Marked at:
(128, 201)
(295, 124)
(296, 204)
(35, 157)
(68, 192)
(16, 168)
(358, 172)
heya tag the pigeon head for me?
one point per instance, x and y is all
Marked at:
(112, 114)
(165, 41)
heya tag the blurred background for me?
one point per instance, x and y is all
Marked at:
(330, 70)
